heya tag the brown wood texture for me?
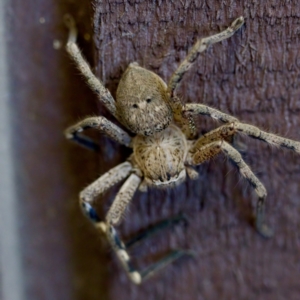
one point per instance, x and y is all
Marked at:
(58, 258)
(253, 76)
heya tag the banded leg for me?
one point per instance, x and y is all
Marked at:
(99, 123)
(220, 133)
(121, 251)
(123, 198)
(185, 121)
(102, 184)
(201, 109)
(225, 132)
(117, 210)
(200, 46)
(267, 137)
(93, 82)
(199, 155)
(215, 148)
(236, 127)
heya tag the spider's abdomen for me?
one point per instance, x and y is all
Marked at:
(161, 156)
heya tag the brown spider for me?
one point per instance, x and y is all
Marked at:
(164, 145)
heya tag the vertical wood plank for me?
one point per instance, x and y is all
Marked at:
(254, 76)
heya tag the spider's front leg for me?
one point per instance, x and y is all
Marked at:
(94, 83)
(208, 147)
(200, 46)
(101, 124)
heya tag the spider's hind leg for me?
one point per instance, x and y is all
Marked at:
(204, 151)
(121, 249)
(115, 215)
(114, 241)
(267, 137)
(259, 188)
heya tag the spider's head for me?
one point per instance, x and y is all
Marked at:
(142, 101)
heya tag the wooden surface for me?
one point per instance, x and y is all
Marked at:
(253, 76)
(62, 257)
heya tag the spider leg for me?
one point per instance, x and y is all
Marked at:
(94, 83)
(200, 46)
(113, 217)
(201, 109)
(123, 198)
(267, 137)
(185, 121)
(102, 184)
(220, 133)
(114, 241)
(100, 123)
(116, 211)
(210, 150)
(120, 249)
(227, 130)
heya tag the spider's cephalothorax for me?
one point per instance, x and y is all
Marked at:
(142, 109)
(164, 146)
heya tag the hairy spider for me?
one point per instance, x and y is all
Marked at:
(164, 145)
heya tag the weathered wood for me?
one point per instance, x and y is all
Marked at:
(253, 76)
(61, 256)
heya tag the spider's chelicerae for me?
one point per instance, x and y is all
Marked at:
(164, 146)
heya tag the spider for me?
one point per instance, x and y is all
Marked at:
(164, 144)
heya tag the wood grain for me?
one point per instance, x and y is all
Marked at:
(253, 76)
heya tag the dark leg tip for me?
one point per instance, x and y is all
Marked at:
(84, 142)
(265, 231)
(90, 212)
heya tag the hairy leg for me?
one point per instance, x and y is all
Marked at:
(123, 198)
(201, 109)
(99, 123)
(200, 46)
(220, 133)
(203, 153)
(227, 130)
(114, 215)
(102, 184)
(185, 121)
(267, 137)
(94, 83)
(212, 149)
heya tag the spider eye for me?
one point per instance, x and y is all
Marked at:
(148, 100)
(135, 106)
